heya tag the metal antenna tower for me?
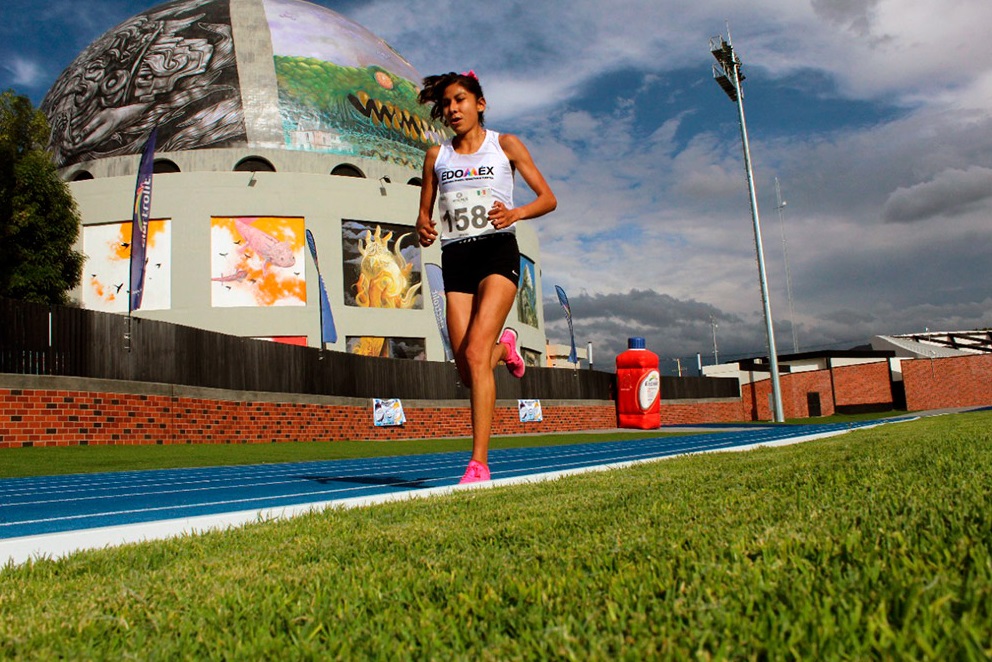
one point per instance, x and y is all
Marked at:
(788, 271)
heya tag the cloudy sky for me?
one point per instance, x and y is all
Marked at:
(874, 115)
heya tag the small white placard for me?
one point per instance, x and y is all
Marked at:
(387, 412)
(530, 411)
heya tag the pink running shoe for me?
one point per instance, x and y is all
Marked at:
(476, 473)
(514, 362)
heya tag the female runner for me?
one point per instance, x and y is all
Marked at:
(471, 179)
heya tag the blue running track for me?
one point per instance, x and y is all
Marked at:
(38, 507)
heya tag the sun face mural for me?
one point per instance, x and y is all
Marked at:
(343, 90)
(171, 67)
(257, 262)
(379, 271)
(107, 270)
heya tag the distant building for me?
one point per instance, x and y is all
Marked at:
(558, 357)
(888, 350)
(755, 369)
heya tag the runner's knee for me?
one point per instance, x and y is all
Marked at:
(478, 356)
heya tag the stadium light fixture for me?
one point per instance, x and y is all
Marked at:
(727, 73)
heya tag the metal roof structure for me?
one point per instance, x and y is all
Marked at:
(940, 344)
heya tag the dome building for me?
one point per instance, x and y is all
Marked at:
(273, 118)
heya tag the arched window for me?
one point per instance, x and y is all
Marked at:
(82, 176)
(415, 181)
(254, 164)
(347, 170)
(164, 167)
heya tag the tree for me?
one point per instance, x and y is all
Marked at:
(39, 220)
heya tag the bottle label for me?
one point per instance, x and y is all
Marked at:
(648, 389)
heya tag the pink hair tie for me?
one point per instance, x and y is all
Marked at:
(470, 74)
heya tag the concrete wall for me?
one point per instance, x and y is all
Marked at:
(190, 199)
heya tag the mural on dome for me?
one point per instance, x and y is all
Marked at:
(379, 271)
(172, 66)
(343, 90)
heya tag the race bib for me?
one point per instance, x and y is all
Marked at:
(465, 213)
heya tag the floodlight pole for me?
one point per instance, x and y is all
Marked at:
(728, 76)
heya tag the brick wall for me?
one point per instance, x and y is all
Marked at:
(39, 417)
(795, 386)
(61, 411)
(687, 412)
(866, 384)
(962, 381)
(174, 415)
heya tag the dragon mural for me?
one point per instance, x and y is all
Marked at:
(343, 90)
(362, 111)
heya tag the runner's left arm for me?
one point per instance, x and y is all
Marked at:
(500, 215)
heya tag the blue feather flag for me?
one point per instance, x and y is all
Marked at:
(563, 300)
(328, 334)
(435, 279)
(139, 223)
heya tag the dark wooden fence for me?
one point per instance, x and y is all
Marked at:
(690, 388)
(57, 340)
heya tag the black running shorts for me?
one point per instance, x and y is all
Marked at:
(467, 262)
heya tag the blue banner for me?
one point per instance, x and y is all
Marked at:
(139, 223)
(328, 334)
(435, 280)
(563, 300)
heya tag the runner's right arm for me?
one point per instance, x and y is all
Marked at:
(426, 230)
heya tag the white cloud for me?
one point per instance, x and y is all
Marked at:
(25, 72)
(951, 193)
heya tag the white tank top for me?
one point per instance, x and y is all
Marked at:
(481, 178)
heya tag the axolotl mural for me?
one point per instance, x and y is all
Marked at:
(257, 261)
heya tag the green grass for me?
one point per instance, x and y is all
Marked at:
(875, 544)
